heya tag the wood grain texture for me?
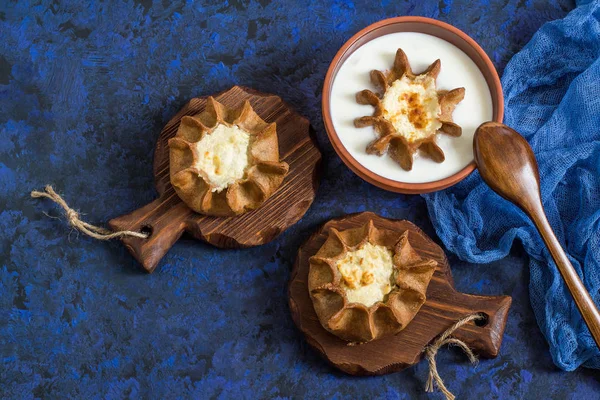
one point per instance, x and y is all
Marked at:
(168, 217)
(507, 164)
(443, 307)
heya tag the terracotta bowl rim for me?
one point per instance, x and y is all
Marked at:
(358, 168)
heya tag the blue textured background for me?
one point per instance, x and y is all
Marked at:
(85, 87)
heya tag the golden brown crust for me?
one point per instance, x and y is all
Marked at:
(263, 175)
(401, 150)
(355, 322)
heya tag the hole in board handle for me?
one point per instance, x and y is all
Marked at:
(147, 230)
(483, 320)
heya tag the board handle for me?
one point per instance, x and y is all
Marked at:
(483, 336)
(164, 220)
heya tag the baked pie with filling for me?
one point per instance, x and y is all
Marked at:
(224, 162)
(366, 283)
(410, 112)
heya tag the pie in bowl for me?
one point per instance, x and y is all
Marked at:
(409, 113)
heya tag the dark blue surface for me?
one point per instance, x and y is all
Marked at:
(85, 88)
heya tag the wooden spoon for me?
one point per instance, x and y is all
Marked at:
(507, 164)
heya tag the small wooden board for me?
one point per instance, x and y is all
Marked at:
(167, 217)
(443, 307)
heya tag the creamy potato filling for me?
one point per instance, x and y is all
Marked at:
(367, 274)
(223, 155)
(412, 106)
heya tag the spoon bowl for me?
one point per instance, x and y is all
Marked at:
(507, 164)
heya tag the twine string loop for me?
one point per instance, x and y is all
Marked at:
(97, 232)
(445, 339)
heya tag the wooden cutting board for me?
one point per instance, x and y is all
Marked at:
(167, 217)
(444, 306)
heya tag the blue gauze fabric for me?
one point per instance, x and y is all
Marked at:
(552, 97)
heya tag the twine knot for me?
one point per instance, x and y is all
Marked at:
(97, 232)
(445, 339)
(72, 216)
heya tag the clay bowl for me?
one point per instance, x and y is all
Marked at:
(427, 26)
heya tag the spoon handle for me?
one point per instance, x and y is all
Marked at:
(582, 298)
